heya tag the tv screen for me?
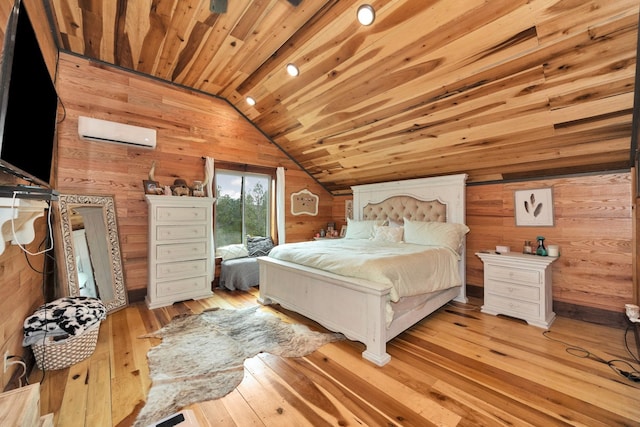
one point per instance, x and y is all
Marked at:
(28, 104)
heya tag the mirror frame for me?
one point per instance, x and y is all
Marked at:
(106, 203)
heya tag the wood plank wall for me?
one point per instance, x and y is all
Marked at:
(21, 292)
(189, 125)
(21, 279)
(593, 227)
(593, 278)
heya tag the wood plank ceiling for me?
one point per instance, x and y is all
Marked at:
(498, 89)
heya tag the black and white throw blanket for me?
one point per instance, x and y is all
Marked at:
(63, 318)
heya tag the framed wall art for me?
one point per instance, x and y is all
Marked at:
(534, 208)
(304, 202)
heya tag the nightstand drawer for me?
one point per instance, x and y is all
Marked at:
(512, 307)
(180, 214)
(183, 286)
(508, 274)
(180, 232)
(178, 251)
(181, 269)
(527, 293)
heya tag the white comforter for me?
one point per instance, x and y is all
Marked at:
(407, 268)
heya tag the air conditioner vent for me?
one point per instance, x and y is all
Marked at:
(105, 131)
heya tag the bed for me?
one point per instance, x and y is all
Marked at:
(365, 309)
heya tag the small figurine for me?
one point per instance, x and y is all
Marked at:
(198, 190)
(180, 188)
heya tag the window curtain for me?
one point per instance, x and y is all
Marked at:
(209, 174)
(280, 210)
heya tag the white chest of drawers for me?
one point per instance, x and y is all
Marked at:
(518, 285)
(180, 253)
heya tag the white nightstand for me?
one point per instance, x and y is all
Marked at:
(518, 285)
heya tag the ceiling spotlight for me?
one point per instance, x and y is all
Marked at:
(366, 14)
(292, 70)
(250, 101)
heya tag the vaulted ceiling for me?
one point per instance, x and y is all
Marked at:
(497, 89)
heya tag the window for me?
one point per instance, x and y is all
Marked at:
(243, 206)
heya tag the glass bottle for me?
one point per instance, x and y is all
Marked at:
(541, 250)
(527, 247)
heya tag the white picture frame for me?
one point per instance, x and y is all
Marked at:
(534, 207)
(304, 202)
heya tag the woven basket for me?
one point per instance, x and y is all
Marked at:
(61, 354)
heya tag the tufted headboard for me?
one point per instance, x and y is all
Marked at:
(440, 198)
(397, 208)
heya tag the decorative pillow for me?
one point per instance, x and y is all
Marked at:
(259, 246)
(360, 229)
(233, 251)
(388, 234)
(446, 234)
(393, 223)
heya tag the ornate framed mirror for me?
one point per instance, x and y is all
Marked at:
(91, 249)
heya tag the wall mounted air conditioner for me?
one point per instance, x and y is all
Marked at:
(106, 131)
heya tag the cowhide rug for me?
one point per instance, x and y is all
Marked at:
(201, 356)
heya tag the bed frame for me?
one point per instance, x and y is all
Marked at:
(356, 307)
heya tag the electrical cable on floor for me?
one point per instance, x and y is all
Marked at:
(626, 344)
(631, 373)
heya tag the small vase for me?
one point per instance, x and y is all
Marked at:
(541, 250)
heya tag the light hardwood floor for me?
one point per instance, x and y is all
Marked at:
(458, 367)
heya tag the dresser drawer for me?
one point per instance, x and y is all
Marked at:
(168, 270)
(177, 251)
(166, 233)
(513, 275)
(180, 214)
(512, 307)
(187, 287)
(510, 290)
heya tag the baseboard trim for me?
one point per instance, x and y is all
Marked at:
(573, 311)
(136, 295)
(591, 314)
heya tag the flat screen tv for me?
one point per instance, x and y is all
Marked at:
(28, 104)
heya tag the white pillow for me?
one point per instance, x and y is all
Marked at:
(233, 251)
(393, 223)
(360, 229)
(450, 235)
(388, 234)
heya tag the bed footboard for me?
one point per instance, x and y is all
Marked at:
(354, 307)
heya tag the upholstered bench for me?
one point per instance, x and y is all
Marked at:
(239, 273)
(239, 268)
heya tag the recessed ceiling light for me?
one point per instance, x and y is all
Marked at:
(292, 70)
(366, 14)
(251, 101)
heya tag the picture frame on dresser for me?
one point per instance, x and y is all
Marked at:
(534, 207)
(150, 187)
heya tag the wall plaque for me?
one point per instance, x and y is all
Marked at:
(304, 202)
